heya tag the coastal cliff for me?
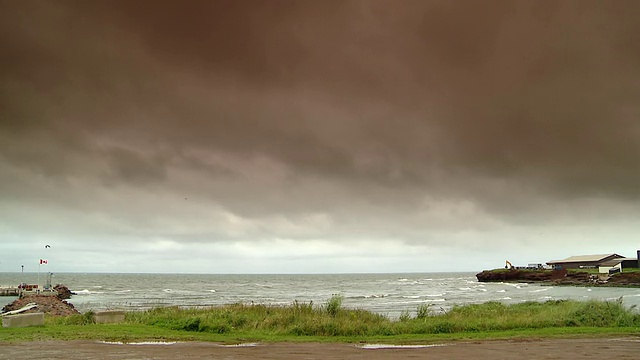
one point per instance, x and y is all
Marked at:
(560, 277)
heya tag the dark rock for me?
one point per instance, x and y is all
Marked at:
(63, 292)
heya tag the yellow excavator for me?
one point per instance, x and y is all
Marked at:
(508, 265)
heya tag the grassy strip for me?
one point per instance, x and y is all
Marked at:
(331, 323)
(134, 333)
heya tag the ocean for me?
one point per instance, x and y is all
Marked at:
(387, 294)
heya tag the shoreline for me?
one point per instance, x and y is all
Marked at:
(561, 277)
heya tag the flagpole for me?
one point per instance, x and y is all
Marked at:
(39, 264)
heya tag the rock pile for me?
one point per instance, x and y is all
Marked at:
(625, 279)
(47, 304)
(63, 292)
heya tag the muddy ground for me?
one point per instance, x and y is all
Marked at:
(620, 348)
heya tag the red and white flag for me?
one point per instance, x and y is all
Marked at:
(45, 262)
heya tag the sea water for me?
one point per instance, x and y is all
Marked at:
(387, 294)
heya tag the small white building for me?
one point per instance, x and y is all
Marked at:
(616, 265)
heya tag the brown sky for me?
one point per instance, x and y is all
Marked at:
(430, 127)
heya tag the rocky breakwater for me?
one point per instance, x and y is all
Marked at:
(52, 305)
(631, 279)
(560, 277)
(504, 275)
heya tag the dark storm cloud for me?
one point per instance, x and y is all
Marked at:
(386, 100)
(134, 167)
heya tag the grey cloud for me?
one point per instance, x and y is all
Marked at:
(131, 166)
(362, 110)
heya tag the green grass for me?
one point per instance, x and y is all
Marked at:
(330, 322)
(591, 271)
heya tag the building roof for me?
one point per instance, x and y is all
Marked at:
(617, 261)
(585, 258)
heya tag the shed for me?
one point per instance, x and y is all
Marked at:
(620, 264)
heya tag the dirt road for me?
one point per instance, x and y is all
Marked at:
(620, 348)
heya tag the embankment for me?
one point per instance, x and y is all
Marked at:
(560, 277)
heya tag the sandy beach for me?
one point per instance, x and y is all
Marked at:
(622, 348)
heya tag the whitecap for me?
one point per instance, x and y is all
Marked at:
(87, 292)
(264, 285)
(539, 290)
(211, 291)
(374, 296)
(501, 291)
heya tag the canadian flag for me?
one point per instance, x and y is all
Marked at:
(45, 262)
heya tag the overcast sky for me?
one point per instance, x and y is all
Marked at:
(317, 136)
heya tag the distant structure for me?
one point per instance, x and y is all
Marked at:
(617, 265)
(583, 261)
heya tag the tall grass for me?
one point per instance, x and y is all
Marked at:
(333, 320)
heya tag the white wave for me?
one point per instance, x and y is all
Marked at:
(464, 288)
(438, 300)
(501, 291)
(539, 290)
(545, 298)
(482, 289)
(87, 292)
(391, 346)
(408, 282)
(506, 298)
(517, 286)
(264, 285)
(411, 296)
(435, 295)
(588, 289)
(375, 296)
(403, 279)
(211, 291)
(123, 291)
(167, 290)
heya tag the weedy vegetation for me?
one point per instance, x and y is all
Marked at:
(330, 321)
